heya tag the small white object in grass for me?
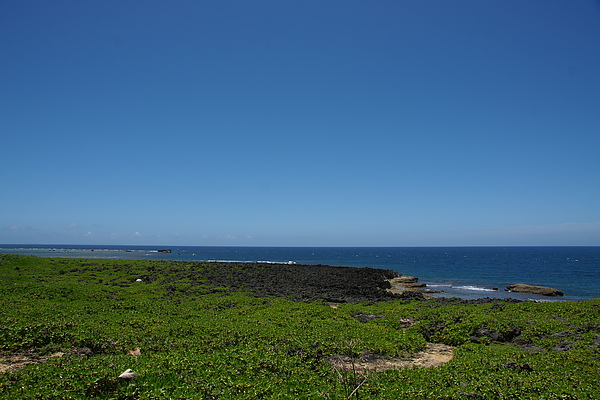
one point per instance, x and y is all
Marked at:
(128, 375)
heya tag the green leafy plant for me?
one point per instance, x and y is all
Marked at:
(70, 327)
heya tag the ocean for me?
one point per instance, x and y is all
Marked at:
(465, 272)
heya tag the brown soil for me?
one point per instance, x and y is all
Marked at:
(434, 355)
(15, 362)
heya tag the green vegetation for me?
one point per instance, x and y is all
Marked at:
(81, 323)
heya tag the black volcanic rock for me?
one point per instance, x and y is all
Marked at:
(304, 282)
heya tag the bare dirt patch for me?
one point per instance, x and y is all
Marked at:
(434, 355)
(15, 362)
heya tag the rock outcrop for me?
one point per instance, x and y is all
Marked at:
(543, 290)
(406, 279)
(300, 282)
(404, 284)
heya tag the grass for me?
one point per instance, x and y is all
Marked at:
(196, 341)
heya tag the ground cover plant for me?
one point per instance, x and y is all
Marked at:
(70, 327)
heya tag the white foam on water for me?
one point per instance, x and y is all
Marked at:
(475, 288)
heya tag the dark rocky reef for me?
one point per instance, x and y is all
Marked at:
(297, 282)
(307, 282)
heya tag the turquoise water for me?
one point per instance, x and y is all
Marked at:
(466, 272)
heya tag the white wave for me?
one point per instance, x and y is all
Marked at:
(252, 262)
(545, 300)
(277, 262)
(476, 288)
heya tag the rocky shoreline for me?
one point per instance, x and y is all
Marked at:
(306, 282)
(325, 283)
(403, 284)
(409, 284)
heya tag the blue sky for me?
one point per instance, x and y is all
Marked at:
(300, 123)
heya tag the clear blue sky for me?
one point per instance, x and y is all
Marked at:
(300, 123)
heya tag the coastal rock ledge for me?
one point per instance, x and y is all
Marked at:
(408, 284)
(525, 288)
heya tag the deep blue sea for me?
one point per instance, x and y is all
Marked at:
(465, 272)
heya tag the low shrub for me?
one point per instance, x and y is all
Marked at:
(69, 328)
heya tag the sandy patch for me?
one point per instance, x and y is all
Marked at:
(434, 355)
(15, 362)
